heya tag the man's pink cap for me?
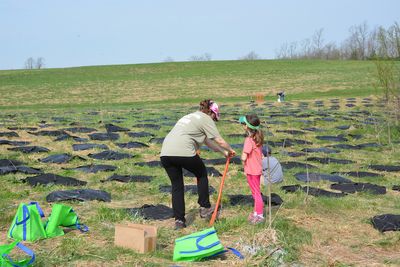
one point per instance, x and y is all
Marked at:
(215, 109)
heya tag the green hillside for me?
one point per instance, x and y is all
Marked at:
(189, 81)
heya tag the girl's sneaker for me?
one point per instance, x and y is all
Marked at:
(251, 215)
(257, 219)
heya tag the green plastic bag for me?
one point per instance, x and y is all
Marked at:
(5, 259)
(27, 224)
(62, 215)
(197, 246)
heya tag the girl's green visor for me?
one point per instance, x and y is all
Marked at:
(243, 119)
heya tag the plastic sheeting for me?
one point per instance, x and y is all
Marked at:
(386, 222)
(48, 178)
(315, 177)
(192, 189)
(79, 194)
(360, 187)
(29, 149)
(235, 200)
(151, 212)
(129, 178)
(110, 155)
(313, 191)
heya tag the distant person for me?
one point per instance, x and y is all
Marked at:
(179, 150)
(281, 96)
(271, 167)
(252, 161)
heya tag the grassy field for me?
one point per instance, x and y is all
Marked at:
(306, 230)
(182, 82)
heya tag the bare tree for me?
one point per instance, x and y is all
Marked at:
(317, 41)
(40, 63)
(358, 38)
(282, 53)
(330, 51)
(393, 34)
(293, 50)
(29, 63)
(305, 48)
(250, 56)
(382, 41)
(204, 57)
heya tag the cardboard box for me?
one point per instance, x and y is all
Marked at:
(139, 237)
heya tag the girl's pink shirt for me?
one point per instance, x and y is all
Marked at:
(253, 163)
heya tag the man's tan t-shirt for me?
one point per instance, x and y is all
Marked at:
(189, 134)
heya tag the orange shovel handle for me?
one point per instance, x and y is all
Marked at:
(214, 215)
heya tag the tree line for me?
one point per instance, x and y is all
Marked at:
(32, 63)
(362, 43)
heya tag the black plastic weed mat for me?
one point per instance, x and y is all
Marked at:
(358, 174)
(360, 187)
(79, 147)
(154, 163)
(79, 195)
(338, 138)
(59, 158)
(29, 149)
(104, 136)
(10, 162)
(330, 160)
(211, 171)
(22, 169)
(151, 212)
(68, 136)
(14, 143)
(157, 140)
(139, 134)
(294, 164)
(346, 146)
(80, 130)
(94, 168)
(315, 177)
(293, 132)
(320, 150)
(49, 133)
(222, 161)
(385, 168)
(313, 191)
(129, 178)
(110, 155)
(114, 128)
(192, 189)
(8, 134)
(132, 145)
(48, 178)
(386, 222)
(240, 199)
(147, 125)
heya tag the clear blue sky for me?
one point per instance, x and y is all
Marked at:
(99, 32)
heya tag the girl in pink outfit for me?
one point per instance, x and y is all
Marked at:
(252, 160)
